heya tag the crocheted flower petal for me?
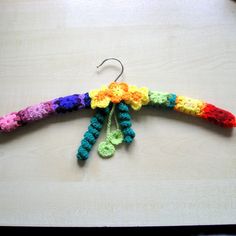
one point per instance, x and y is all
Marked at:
(133, 88)
(113, 85)
(106, 149)
(93, 104)
(136, 105)
(116, 99)
(116, 137)
(145, 98)
(126, 96)
(124, 87)
(104, 88)
(93, 93)
(103, 103)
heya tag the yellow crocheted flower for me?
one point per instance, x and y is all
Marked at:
(99, 98)
(118, 91)
(137, 97)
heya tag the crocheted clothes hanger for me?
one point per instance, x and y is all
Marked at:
(112, 103)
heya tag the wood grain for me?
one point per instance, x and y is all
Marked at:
(179, 171)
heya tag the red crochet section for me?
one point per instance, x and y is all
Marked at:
(218, 116)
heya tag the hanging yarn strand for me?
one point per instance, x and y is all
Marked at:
(110, 119)
(107, 148)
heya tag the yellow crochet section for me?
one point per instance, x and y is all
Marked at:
(189, 106)
(117, 92)
(99, 98)
(137, 97)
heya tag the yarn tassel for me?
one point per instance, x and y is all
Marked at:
(107, 148)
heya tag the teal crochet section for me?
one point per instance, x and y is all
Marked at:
(164, 100)
(125, 124)
(119, 114)
(91, 135)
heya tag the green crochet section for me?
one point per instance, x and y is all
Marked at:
(164, 100)
(107, 148)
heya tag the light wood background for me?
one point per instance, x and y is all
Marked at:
(179, 171)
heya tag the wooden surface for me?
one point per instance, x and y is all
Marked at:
(179, 171)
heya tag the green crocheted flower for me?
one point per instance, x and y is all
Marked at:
(116, 137)
(165, 100)
(106, 149)
(158, 98)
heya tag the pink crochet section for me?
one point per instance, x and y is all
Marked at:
(36, 112)
(9, 122)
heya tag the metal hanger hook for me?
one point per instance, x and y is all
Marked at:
(122, 67)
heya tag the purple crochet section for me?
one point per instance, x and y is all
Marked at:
(36, 112)
(42, 110)
(71, 103)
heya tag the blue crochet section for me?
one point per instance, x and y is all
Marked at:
(171, 99)
(71, 103)
(87, 100)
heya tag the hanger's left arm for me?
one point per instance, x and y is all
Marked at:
(42, 110)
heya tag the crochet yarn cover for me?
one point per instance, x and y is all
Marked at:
(118, 93)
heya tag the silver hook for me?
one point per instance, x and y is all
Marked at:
(122, 67)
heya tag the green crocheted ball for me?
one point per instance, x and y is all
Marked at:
(106, 149)
(116, 137)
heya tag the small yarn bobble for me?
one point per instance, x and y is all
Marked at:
(107, 148)
(91, 135)
(124, 119)
(10, 122)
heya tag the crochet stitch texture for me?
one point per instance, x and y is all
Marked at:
(117, 93)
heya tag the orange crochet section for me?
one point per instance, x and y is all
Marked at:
(117, 92)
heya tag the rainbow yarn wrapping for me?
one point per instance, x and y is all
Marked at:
(116, 93)
(193, 107)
